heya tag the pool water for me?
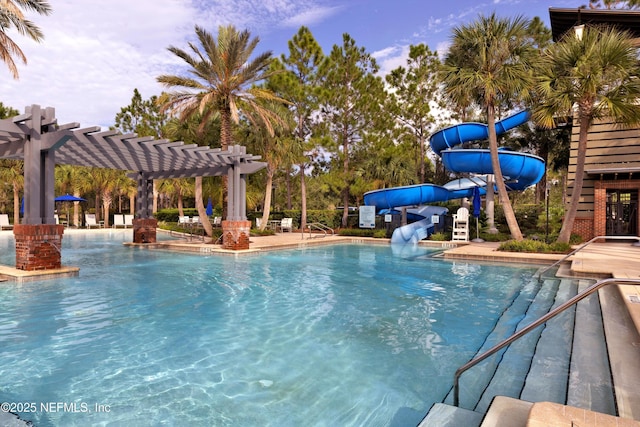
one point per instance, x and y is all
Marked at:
(348, 335)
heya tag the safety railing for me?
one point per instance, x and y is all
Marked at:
(544, 270)
(553, 313)
(317, 226)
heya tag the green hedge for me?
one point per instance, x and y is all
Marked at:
(362, 232)
(528, 245)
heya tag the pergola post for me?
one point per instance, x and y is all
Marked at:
(38, 239)
(144, 224)
(236, 229)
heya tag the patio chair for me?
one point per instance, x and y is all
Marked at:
(90, 221)
(128, 220)
(118, 221)
(59, 221)
(184, 220)
(258, 222)
(217, 221)
(286, 224)
(4, 222)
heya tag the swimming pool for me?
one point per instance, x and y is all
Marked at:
(339, 335)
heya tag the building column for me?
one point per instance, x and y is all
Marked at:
(599, 210)
(38, 246)
(235, 235)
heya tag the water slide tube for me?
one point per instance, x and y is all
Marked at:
(520, 170)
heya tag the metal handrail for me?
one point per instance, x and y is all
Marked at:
(591, 289)
(318, 226)
(541, 272)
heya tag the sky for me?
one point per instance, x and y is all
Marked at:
(96, 52)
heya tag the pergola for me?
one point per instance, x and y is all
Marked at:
(41, 142)
(36, 138)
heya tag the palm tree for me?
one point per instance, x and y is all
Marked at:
(11, 16)
(594, 76)
(68, 180)
(12, 173)
(495, 67)
(221, 81)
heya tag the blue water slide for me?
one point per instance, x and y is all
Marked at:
(520, 171)
(465, 132)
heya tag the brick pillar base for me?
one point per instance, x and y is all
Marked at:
(38, 246)
(144, 230)
(235, 235)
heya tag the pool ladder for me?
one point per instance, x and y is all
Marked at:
(318, 226)
(553, 313)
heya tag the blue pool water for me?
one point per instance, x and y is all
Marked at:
(347, 335)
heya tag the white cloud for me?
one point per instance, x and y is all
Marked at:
(310, 16)
(390, 58)
(94, 54)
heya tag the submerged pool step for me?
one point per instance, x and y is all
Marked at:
(547, 379)
(590, 377)
(511, 372)
(474, 381)
(569, 362)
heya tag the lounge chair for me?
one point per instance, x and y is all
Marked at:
(90, 221)
(217, 221)
(4, 222)
(58, 221)
(184, 220)
(118, 221)
(286, 224)
(128, 220)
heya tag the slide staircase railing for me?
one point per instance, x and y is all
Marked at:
(553, 313)
(319, 227)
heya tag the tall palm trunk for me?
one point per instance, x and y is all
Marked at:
(225, 141)
(303, 195)
(497, 172)
(16, 203)
(346, 189)
(202, 211)
(570, 216)
(267, 198)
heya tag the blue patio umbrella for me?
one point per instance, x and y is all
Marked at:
(22, 207)
(69, 198)
(476, 212)
(209, 209)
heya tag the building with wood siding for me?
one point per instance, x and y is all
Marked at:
(609, 200)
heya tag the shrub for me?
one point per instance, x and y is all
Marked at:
(534, 246)
(361, 232)
(497, 237)
(265, 232)
(440, 236)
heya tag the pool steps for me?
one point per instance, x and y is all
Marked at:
(566, 361)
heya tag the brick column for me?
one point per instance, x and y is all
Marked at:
(144, 230)
(235, 235)
(38, 246)
(599, 210)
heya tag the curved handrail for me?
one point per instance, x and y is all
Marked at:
(318, 226)
(562, 307)
(544, 270)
